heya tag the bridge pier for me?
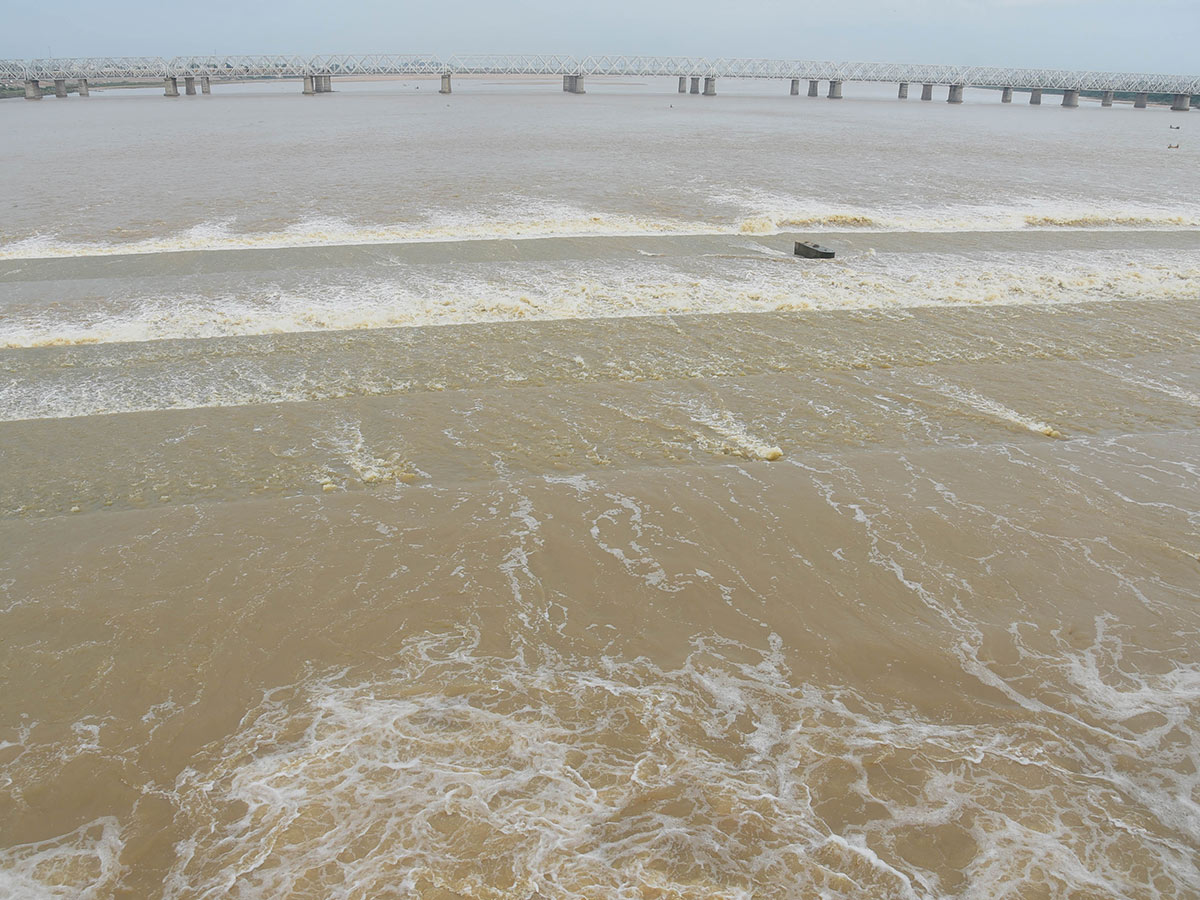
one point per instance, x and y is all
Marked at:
(189, 85)
(1035, 97)
(60, 88)
(683, 84)
(309, 84)
(170, 87)
(710, 86)
(33, 90)
(814, 88)
(205, 84)
(835, 90)
(445, 88)
(795, 87)
(695, 84)
(573, 84)
(1182, 102)
(1107, 99)
(955, 94)
(326, 83)
(81, 85)
(1006, 96)
(1071, 99)
(902, 94)
(927, 92)
(1140, 101)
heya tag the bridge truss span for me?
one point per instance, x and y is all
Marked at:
(243, 67)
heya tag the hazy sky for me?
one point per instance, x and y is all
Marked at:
(1136, 35)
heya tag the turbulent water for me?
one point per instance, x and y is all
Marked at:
(472, 496)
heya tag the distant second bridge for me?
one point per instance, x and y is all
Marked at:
(695, 74)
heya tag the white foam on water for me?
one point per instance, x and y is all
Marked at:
(538, 774)
(768, 212)
(993, 408)
(81, 865)
(525, 218)
(512, 292)
(734, 436)
(352, 458)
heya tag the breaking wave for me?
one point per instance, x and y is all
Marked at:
(545, 221)
(514, 292)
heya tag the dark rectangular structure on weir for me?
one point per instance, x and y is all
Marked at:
(812, 251)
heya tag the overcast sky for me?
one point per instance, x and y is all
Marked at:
(1135, 35)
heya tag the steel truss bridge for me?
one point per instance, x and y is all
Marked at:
(235, 68)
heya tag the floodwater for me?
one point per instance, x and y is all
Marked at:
(472, 496)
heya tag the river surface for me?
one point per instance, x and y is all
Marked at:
(472, 496)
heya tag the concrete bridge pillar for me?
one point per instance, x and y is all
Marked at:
(903, 92)
(955, 94)
(814, 88)
(1183, 102)
(795, 87)
(33, 90)
(1006, 96)
(326, 83)
(1035, 97)
(60, 87)
(1071, 99)
(695, 84)
(445, 88)
(710, 86)
(927, 92)
(683, 84)
(82, 87)
(309, 84)
(170, 86)
(573, 84)
(835, 90)
(205, 84)
(189, 85)
(1107, 99)
(1140, 101)
(579, 85)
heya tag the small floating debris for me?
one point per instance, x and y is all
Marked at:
(812, 251)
